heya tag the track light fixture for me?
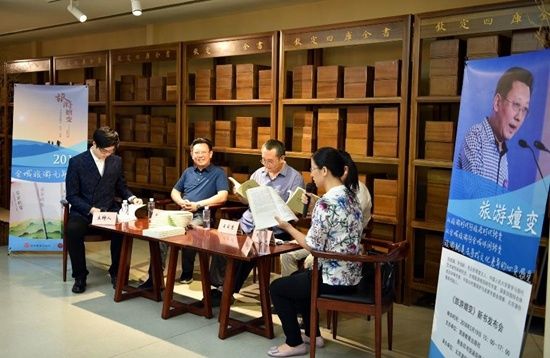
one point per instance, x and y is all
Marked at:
(73, 9)
(136, 7)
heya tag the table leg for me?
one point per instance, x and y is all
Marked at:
(156, 269)
(225, 303)
(205, 280)
(264, 265)
(124, 267)
(170, 280)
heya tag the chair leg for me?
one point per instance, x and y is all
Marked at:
(377, 335)
(334, 324)
(329, 318)
(390, 327)
(64, 261)
(254, 274)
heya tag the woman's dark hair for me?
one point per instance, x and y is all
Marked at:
(105, 137)
(336, 161)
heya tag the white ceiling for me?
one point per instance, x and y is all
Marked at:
(26, 20)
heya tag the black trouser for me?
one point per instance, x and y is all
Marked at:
(291, 295)
(187, 263)
(77, 228)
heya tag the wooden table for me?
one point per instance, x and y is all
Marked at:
(205, 242)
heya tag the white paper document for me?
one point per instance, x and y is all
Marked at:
(265, 204)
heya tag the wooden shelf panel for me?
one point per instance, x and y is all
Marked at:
(97, 104)
(433, 163)
(149, 186)
(427, 225)
(438, 99)
(418, 284)
(147, 145)
(236, 150)
(341, 101)
(144, 103)
(357, 159)
(233, 102)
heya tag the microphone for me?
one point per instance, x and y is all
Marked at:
(522, 143)
(540, 146)
(503, 151)
(310, 188)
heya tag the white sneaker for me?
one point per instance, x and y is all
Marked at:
(319, 341)
(186, 282)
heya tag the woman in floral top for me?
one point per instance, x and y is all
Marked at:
(336, 226)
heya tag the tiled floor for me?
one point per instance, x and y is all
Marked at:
(41, 317)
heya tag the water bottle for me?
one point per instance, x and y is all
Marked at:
(150, 208)
(206, 217)
(125, 209)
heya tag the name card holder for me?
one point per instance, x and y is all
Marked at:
(104, 218)
(228, 226)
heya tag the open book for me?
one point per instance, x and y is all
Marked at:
(241, 189)
(265, 204)
(295, 203)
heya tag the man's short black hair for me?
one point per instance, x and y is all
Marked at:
(512, 75)
(105, 137)
(206, 141)
(277, 145)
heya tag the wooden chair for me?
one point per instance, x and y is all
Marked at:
(87, 238)
(374, 296)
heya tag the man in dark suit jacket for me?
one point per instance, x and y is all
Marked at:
(94, 179)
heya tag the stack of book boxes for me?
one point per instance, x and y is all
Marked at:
(127, 87)
(126, 128)
(92, 124)
(157, 88)
(330, 127)
(303, 133)
(247, 81)
(445, 67)
(158, 130)
(171, 132)
(171, 87)
(357, 130)
(171, 175)
(129, 164)
(303, 81)
(264, 84)
(102, 91)
(225, 134)
(204, 129)
(204, 85)
(358, 81)
(386, 122)
(142, 170)
(439, 140)
(247, 131)
(437, 195)
(92, 89)
(385, 197)
(225, 82)
(329, 81)
(142, 88)
(487, 46)
(387, 78)
(157, 166)
(524, 41)
(264, 134)
(142, 128)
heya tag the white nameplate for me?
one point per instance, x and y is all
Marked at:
(262, 236)
(248, 243)
(228, 226)
(104, 218)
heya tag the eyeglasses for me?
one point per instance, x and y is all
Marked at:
(517, 107)
(313, 168)
(269, 161)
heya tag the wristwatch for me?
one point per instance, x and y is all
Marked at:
(199, 206)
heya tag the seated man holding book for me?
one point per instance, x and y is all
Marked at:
(200, 185)
(284, 179)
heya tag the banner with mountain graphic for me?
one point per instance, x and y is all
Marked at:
(49, 127)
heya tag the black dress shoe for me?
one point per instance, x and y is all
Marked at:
(113, 281)
(216, 297)
(147, 284)
(79, 285)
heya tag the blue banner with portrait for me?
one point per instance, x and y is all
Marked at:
(49, 127)
(497, 203)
